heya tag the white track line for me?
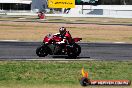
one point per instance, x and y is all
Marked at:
(9, 40)
(80, 42)
(119, 42)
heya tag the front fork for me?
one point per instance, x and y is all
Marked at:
(49, 51)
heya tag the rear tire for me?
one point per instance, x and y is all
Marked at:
(41, 51)
(78, 49)
(74, 51)
(72, 56)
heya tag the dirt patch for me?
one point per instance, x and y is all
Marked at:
(34, 31)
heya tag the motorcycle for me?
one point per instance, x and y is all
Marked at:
(50, 46)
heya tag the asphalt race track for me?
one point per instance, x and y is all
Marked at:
(95, 51)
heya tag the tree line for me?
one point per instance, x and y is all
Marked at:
(105, 2)
(115, 2)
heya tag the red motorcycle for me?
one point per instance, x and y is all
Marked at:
(50, 46)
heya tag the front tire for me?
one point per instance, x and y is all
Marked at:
(41, 51)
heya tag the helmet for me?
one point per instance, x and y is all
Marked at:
(62, 30)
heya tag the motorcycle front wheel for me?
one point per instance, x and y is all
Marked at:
(41, 51)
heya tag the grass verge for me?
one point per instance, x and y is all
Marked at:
(30, 74)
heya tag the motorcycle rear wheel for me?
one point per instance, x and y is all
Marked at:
(41, 51)
(74, 51)
(72, 56)
(78, 49)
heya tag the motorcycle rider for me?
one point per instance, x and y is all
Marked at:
(65, 35)
(65, 39)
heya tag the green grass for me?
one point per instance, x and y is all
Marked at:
(58, 73)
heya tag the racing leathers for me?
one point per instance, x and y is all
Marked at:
(66, 38)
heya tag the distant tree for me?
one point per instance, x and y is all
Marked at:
(123, 2)
(111, 2)
(126, 2)
(114, 2)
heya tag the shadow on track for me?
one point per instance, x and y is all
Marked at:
(66, 57)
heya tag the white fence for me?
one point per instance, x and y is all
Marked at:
(119, 11)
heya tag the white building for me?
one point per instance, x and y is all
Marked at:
(101, 8)
(117, 11)
(104, 8)
(39, 5)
